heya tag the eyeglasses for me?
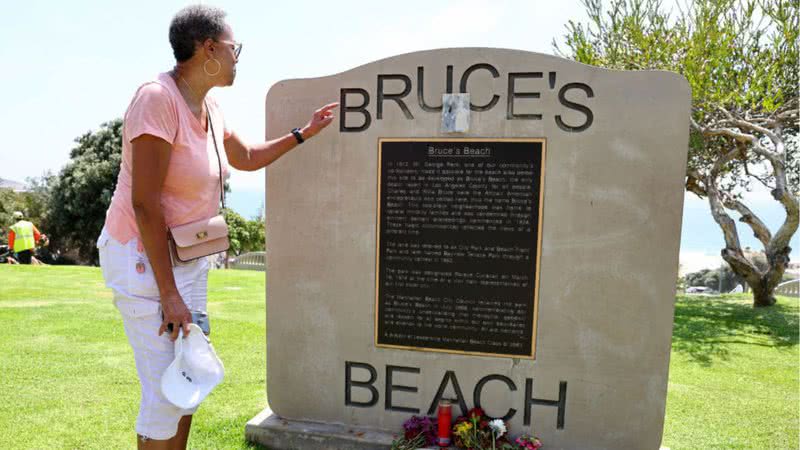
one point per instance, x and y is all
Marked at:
(235, 46)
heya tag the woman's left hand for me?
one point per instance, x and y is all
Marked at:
(321, 119)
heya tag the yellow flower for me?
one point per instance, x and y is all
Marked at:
(463, 427)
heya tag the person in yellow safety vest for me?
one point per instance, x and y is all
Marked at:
(22, 238)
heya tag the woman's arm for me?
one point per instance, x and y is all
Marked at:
(150, 162)
(253, 157)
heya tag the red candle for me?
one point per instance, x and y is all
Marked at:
(444, 417)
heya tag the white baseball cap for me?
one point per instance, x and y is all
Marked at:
(195, 371)
(18, 215)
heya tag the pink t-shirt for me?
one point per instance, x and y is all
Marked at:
(191, 188)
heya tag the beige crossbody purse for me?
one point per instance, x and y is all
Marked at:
(204, 237)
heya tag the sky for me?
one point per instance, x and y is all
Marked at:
(67, 67)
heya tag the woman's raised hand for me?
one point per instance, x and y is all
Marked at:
(321, 119)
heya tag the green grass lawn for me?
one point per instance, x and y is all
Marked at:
(68, 380)
(67, 374)
(734, 375)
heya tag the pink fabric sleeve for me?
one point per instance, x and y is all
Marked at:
(152, 112)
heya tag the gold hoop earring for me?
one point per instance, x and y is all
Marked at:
(205, 68)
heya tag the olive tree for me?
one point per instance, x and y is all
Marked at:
(740, 58)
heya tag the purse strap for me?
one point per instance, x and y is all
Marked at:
(219, 160)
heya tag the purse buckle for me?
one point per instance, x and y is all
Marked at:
(202, 235)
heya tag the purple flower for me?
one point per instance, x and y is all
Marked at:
(425, 425)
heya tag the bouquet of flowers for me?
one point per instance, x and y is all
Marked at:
(476, 431)
(528, 442)
(417, 432)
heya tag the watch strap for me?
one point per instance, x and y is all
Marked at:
(298, 135)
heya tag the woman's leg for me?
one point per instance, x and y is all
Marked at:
(197, 295)
(177, 442)
(143, 443)
(193, 287)
(182, 437)
(158, 421)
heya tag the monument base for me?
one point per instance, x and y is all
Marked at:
(276, 433)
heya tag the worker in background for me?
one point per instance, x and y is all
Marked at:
(22, 238)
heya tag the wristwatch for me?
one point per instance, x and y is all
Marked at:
(298, 135)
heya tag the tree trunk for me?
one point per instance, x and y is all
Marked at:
(762, 294)
(763, 282)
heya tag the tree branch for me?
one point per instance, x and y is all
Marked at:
(742, 266)
(725, 159)
(693, 180)
(760, 230)
(767, 126)
(761, 180)
(746, 125)
(722, 218)
(729, 132)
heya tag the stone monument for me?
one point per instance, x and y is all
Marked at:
(496, 227)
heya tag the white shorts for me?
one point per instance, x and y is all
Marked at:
(137, 299)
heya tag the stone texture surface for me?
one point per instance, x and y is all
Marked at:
(274, 432)
(613, 200)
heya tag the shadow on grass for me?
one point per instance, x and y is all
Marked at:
(705, 326)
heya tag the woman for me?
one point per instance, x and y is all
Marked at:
(170, 176)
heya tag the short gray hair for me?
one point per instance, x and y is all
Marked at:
(194, 24)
